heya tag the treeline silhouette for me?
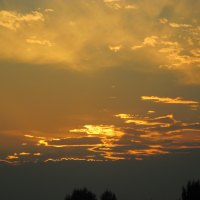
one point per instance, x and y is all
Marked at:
(189, 192)
(85, 194)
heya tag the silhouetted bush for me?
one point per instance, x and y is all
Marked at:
(108, 195)
(81, 194)
(191, 191)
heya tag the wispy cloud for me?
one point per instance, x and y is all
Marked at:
(14, 20)
(162, 121)
(175, 25)
(11, 157)
(150, 41)
(101, 130)
(115, 48)
(168, 100)
(34, 40)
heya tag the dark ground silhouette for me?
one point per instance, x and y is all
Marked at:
(85, 194)
(189, 192)
(108, 195)
(81, 194)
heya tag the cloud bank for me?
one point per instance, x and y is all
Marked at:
(100, 34)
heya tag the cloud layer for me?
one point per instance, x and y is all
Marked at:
(132, 136)
(100, 34)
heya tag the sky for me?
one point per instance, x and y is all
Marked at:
(100, 83)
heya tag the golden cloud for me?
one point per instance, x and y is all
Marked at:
(13, 20)
(168, 100)
(83, 36)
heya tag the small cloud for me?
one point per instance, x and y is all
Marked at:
(110, 1)
(163, 20)
(13, 20)
(71, 159)
(37, 154)
(151, 112)
(194, 107)
(114, 155)
(163, 121)
(6, 162)
(29, 136)
(150, 41)
(137, 47)
(24, 154)
(49, 10)
(113, 4)
(124, 116)
(131, 7)
(115, 48)
(102, 130)
(11, 157)
(118, 4)
(43, 142)
(168, 100)
(175, 25)
(33, 40)
(147, 152)
(143, 122)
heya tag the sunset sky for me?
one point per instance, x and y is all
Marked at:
(99, 81)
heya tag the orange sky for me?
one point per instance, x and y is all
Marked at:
(98, 80)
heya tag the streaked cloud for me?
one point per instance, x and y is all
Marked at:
(168, 100)
(124, 116)
(24, 154)
(147, 152)
(175, 25)
(37, 154)
(34, 40)
(137, 47)
(162, 121)
(101, 130)
(131, 6)
(68, 159)
(118, 4)
(151, 111)
(12, 157)
(137, 137)
(49, 10)
(8, 162)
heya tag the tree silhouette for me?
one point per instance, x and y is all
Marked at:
(81, 194)
(108, 195)
(68, 197)
(191, 191)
